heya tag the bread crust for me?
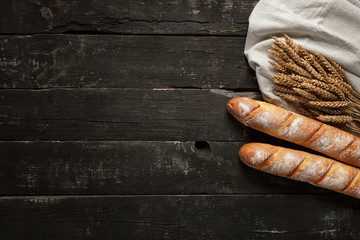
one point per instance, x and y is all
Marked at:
(302, 166)
(293, 127)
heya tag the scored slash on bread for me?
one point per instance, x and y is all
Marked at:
(293, 127)
(302, 166)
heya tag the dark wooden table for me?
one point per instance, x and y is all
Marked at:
(113, 126)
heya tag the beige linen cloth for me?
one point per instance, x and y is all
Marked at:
(330, 27)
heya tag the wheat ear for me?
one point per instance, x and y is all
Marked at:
(317, 87)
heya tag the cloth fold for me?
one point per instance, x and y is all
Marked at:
(330, 27)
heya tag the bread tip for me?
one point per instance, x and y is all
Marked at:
(240, 107)
(254, 154)
(243, 153)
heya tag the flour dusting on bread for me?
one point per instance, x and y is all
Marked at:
(331, 141)
(312, 169)
(338, 178)
(293, 129)
(282, 163)
(259, 157)
(245, 109)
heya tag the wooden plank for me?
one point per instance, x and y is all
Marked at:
(181, 217)
(45, 168)
(118, 114)
(220, 17)
(72, 61)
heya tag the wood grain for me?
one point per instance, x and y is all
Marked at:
(180, 217)
(73, 61)
(46, 168)
(220, 17)
(113, 126)
(118, 114)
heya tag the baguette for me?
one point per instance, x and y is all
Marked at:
(302, 166)
(296, 128)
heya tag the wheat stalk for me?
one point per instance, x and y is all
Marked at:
(317, 87)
